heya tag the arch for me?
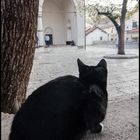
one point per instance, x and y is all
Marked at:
(55, 15)
(48, 30)
(74, 2)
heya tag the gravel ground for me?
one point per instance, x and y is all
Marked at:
(121, 122)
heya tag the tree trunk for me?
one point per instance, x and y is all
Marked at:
(121, 32)
(120, 28)
(121, 41)
(18, 37)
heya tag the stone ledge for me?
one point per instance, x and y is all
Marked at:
(118, 56)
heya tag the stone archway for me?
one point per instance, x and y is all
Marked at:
(56, 14)
(60, 16)
(48, 30)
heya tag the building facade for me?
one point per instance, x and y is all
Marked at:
(132, 28)
(62, 21)
(96, 34)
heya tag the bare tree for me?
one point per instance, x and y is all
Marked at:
(18, 37)
(119, 27)
(117, 18)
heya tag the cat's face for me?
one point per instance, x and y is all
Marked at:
(93, 74)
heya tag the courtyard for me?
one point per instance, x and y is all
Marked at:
(121, 122)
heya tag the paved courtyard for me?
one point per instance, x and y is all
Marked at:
(121, 122)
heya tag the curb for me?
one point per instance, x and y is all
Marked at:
(117, 56)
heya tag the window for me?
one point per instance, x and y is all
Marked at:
(127, 38)
(134, 24)
(112, 30)
(101, 38)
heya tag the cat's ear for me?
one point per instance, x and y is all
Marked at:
(81, 66)
(102, 63)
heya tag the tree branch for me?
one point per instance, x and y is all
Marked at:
(111, 17)
(123, 12)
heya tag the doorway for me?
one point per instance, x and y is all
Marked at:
(51, 38)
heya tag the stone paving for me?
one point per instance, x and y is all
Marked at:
(122, 116)
(121, 122)
(52, 62)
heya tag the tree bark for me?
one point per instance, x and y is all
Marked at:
(121, 33)
(121, 46)
(18, 37)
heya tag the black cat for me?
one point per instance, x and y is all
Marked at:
(64, 108)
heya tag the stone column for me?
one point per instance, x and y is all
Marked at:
(80, 29)
(80, 17)
(40, 25)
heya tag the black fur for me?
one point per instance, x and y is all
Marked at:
(64, 108)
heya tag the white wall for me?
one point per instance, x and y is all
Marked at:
(95, 36)
(77, 22)
(55, 14)
(70, 16)
(128, 26)
(80, 24)
(128, 23)
(39, 25)
(112, 33)
(54, 18)
(80, 30)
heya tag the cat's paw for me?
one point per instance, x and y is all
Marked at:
(98, 128)
(102, 127)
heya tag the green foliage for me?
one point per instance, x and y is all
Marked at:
(93, 9)
(133, 10)
(94, 18)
